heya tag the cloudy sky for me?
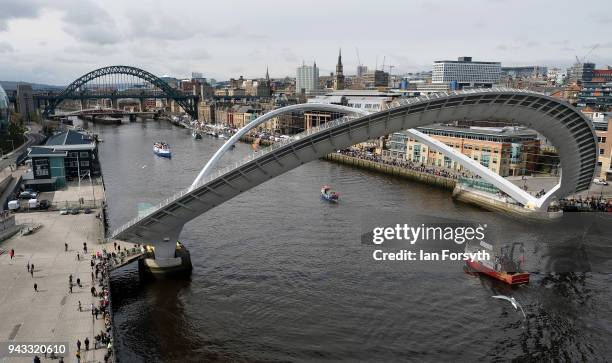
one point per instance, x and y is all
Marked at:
(55, 41)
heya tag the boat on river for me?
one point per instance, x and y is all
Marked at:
(196, 135)
(162, 149)
(502, 266)
(329, 195)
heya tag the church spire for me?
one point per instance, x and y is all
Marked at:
(267, 74)
(339, 81)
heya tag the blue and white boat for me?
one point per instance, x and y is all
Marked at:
(162, 149)
(329, 195)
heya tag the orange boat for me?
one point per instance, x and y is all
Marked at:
(503, 262)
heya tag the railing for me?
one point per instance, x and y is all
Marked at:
(282, 143)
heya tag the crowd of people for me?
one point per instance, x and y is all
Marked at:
(407, 164)
(587, 204)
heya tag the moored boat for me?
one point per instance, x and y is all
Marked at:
(329, 195)
(162, 149)
(196, 135)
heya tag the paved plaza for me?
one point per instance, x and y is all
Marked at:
(51, 314)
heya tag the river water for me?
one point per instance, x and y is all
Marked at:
(280, 275)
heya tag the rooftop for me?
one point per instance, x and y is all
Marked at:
(482, 131)
(43, 151)
(69, 137)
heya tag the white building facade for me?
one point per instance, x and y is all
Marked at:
(307, 78)
(464, 73)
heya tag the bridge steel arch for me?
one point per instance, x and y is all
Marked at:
(561, 123)
(187, 102)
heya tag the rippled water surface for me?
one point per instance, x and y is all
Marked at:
(280, 275)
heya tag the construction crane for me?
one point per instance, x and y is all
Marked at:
(383, 65)
(584, 58)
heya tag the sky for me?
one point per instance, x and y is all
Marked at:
(56, 41)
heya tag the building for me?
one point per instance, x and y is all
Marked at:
(596, 94)
(375, 79)
(525, 71)
(506, 151)
(361, 70)
(64, 156)
(307, 79)
(581, 72)
(339, 80)
(604, 149)
(4, 111)
(466, 73)
(25, 102)
(555, 76)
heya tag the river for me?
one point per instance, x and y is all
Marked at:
(280, 275)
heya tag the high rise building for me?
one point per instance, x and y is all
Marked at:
(4, 110)
(466, 73)
(361, 70)
(339, 81)
(581, 72)
(25, 102)
(307, 78)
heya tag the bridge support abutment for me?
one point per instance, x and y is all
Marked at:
(115, 104)
(170, 258)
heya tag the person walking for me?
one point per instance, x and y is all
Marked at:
(91, 263)
(86, 343)
(84, 247)
(12, 253)
(35, 287)
(79, 282)
(78, 257)
(78, 355)
(97, 312)
(28, 265)
(32, 271)
(65, 247)
(70, 287)
(92, 277)
(80, 308)
(78, 345)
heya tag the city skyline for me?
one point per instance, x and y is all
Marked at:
(55, 42)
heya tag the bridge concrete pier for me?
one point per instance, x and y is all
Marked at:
(115, 104)
(170, 258)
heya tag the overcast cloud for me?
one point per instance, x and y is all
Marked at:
(55, 41)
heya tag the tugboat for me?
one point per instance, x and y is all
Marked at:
(504, 267)
(162, 149)
(329, 195)
(196, 135)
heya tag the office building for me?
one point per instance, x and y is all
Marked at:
(604, 149)
(525, 71)
(466, 73)
(307, 79)
(25, 102)
(4, 111)
(361, 70)
(581, 72)
(505, 151)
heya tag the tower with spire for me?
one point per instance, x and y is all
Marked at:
(339, 80)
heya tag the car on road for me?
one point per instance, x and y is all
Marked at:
(600, 182)
(86, 211)
(63, 212)
(73, 211)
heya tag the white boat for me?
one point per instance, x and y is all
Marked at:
(162, 149)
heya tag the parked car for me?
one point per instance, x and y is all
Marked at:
(13, 205)
(28, 194)
(600, 182)
(63, 211)
(86, 211)
(74, 211)
(44, 204)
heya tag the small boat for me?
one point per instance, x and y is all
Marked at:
(504, 267)
(223, 136)
(162, 149)
(329, 195)
(196, 135)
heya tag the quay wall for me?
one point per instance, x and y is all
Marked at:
(397, 171)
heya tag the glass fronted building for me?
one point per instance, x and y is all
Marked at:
(4, 110)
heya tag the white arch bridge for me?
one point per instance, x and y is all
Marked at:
(558, 121)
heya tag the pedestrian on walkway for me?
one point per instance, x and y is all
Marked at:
(92, 277)
(65, 247)
(86, 343)
(80, 308)
(79, 282)
(115, 245)
(32, 271)
(12, 253)
(70, 287)
(78, 257)
(28, 266)
(84, 247)
(78, 345)
(70, 278)
(35, 287)
(78, 355)
(36, 359)
(97, 312)
(91, 263)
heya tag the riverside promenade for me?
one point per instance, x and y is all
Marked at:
(51, 314)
